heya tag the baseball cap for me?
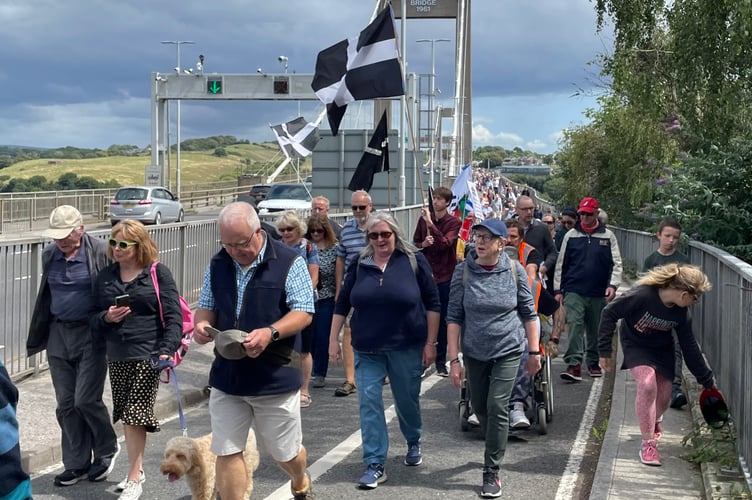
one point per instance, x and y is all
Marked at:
(588, 205)
(229, 343)
(63, 220)
(713, 407)
(494, 225)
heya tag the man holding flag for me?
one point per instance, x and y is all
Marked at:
(436, 234)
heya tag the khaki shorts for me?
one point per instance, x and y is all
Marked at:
(275, 418)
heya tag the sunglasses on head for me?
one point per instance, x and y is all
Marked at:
(383, 235)
(359, 207)
(121, 244)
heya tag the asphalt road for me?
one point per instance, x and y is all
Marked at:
(558, 465)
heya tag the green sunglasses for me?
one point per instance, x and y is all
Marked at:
(122, 244)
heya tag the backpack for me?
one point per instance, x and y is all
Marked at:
(185, 340)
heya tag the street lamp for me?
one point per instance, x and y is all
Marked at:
(431, 96)
(177, 44)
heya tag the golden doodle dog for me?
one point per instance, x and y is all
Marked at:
(192, 459)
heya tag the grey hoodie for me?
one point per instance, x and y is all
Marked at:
(488, 310)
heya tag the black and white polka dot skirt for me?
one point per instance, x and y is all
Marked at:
(134, 392)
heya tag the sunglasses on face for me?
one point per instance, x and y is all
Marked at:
(548, 221)
(287, 229)
(568, 223)
(585, 214)
(359, 207)
(317, 231)
(383, 235)
(122, 244)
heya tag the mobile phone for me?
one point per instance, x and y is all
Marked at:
(123, 300)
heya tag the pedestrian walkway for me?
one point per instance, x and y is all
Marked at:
(620, 475)
(38, 427)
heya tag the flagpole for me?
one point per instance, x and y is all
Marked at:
(403, 100)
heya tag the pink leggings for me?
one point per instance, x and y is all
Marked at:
(653, 396)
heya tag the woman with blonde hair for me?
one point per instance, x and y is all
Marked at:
(291, 228)
(658, 304)
(129, 320)
(321, 233)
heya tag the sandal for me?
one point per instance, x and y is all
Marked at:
(305, 400)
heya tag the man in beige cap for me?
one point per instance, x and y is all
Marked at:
(78, 366)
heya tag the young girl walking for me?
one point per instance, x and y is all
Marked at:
(658, 303)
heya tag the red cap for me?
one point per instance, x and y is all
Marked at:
(589, 205)
(714, 408)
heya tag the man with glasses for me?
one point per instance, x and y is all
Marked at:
(536, 233)
(588, 273)
(260, 286)
(78, 366)
(320, 205)
(352, 240)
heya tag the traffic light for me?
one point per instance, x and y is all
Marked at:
(214, 86)
(281, 85)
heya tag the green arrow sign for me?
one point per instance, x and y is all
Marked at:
(215, 86)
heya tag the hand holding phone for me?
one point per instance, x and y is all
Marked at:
(123, 300)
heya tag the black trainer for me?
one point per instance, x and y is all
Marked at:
(491, 484)
(102, 466)
(678, 399)
(70, 477)
(441, 370)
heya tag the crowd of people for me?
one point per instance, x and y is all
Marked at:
(385, 306)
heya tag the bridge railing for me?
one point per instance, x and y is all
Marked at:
(185, 248)
(722, 322)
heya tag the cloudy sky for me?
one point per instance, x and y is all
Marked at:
(77, 72)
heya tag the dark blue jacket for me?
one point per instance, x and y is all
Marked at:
(264, 302)
(588, 263)
(390, 306)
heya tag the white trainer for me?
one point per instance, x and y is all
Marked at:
(517, 418)
(132, 490)
(121, 485)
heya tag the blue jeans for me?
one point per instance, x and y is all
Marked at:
(404, 369)
(323, 322)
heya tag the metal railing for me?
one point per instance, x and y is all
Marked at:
(722, 323)
(20, 211)
(186, 248)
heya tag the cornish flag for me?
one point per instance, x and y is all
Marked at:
(297, 138)
(361, 68)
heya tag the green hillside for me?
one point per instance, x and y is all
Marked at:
(196, 167)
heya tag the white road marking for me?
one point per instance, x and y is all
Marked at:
(572, 471)
(343, 449)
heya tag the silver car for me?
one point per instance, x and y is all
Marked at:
(148, 204)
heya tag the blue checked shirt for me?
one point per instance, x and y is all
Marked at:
(298, 287)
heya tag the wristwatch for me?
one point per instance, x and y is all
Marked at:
(275, 333)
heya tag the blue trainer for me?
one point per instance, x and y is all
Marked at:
(413, 456)
(373, 475)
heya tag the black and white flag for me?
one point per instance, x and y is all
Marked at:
(361, 68)
(375, 159)
(297, 138)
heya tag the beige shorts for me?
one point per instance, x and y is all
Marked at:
(275, 418)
